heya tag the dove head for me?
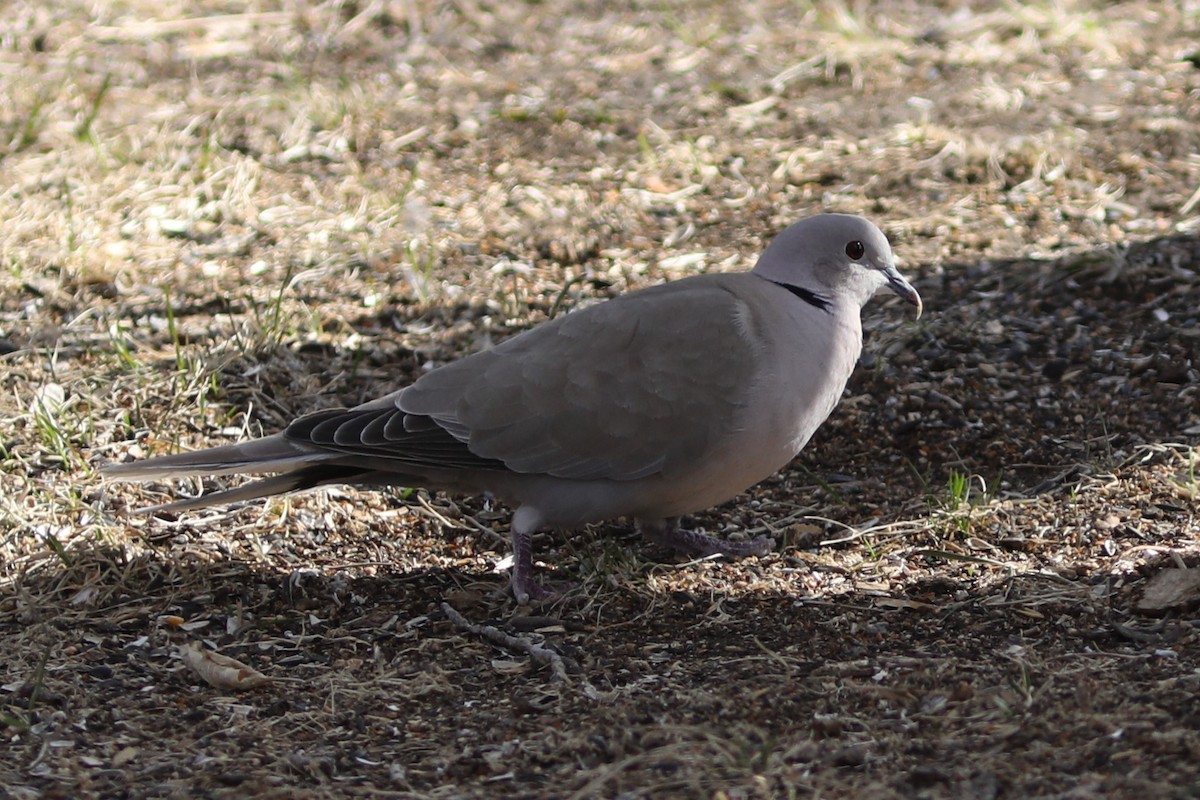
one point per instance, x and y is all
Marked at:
(835, 255)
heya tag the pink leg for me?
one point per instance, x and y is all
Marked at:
(693, 543)
(524, 587)
(525, 522)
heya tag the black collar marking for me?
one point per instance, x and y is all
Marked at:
(812, 298)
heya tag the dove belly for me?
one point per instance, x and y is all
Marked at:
(741, 462)
(748, 455)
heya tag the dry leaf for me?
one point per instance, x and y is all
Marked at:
(84, 596)
(124, 756)
(221, 671)
(509, 666)
(48, 401)
(1171, 588)
(898, 602)
(658, 185)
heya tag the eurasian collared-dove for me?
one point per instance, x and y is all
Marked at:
(652, 405)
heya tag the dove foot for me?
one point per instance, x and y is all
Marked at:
(524, 588)
(699, 545)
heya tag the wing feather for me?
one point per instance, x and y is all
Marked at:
(641, 384)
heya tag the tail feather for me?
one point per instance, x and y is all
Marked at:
(302, 467)
(305, 478)
(272, 454)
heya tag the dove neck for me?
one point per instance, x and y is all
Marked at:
(807, 295)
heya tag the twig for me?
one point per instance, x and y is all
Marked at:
(1191, 202)
(558, 665)
(221, 24)
(428, 509)
(437, 516)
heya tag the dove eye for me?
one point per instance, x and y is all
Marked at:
(855, 250)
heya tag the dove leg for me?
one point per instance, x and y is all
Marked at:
(524, 587)
(696, 544)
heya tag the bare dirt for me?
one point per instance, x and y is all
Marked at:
(218, 216)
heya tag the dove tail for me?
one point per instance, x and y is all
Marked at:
(306, 478)
(272, 454)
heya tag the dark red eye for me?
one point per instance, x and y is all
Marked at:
(855, 250)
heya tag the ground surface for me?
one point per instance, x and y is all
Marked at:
(217, 216)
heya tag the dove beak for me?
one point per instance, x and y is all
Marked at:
(900, 286)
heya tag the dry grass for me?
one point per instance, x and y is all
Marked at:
(220, 215)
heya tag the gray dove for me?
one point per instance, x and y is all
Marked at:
(652, 405)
